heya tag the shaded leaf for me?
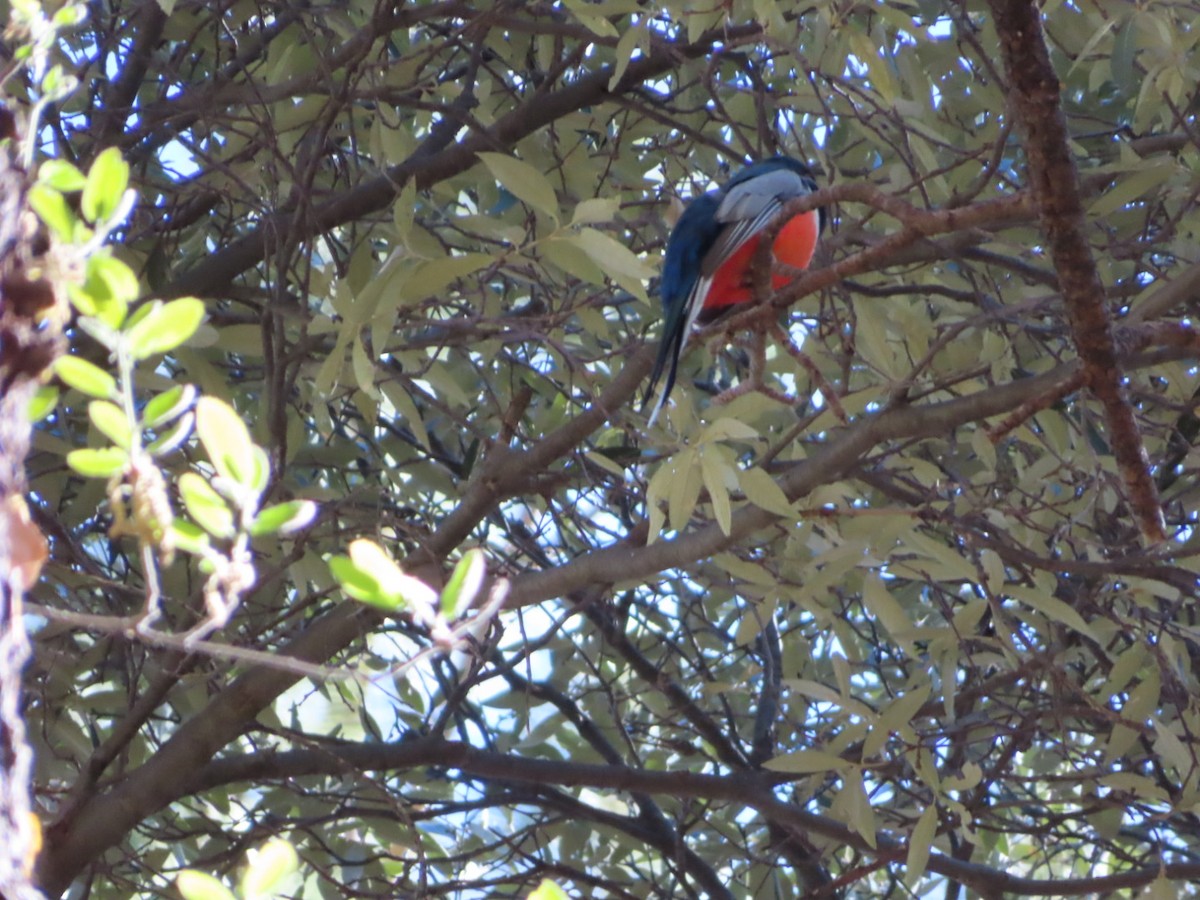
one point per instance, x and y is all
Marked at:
(919, 846)
(523, 180)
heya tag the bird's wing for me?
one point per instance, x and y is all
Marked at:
(747, 208)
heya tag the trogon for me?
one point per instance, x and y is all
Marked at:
(706, 267)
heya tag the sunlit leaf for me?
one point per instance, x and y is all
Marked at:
(226, 440)
(60, 175)
(165, 327)
(464, 584)
(267, 868)
(112, 422)
(52, 209)
(98, 463)
(105, 186)
(195, 885)
(206, 506)
(284, 518)
(85, 376)
(168, 405)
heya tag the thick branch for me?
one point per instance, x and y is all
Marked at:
(99, 824)
(753, 790)
(212, 275)
(1034, 91)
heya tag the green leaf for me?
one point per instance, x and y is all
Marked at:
(112, 422)
(432, 275)
(523, 181)
(878, 601)
(1121, 62)
(110, 281)
(1053, 608)
(464, 584)
(806, 762)
(268, 868)
(629, 42)
(565, 253)
(86, 377)
(761, 490)
(165, 327)
(42, 403)
(164, 407)
(548, 890)
(283, 518)
(61, 176)
(195, 885)
(400, 589)
(173, 438)
(859, 813)
(716, 474)
(1129, 187)
(1162, 888)
(227, 441)
(260, 473)
(595, 210)
(102, 462)
(684, 488)
(189, 537)
(361, 586)
(54, 212)
(205, 505)
(919, 846)
(618, 261)
(105, 186)
(1124, 667)
(70, 15)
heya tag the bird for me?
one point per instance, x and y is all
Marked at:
(707, 263)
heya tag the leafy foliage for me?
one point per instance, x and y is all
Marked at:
(897, 632)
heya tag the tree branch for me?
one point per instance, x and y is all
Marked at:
(1034, 91)
(214, 273)
(754, 790)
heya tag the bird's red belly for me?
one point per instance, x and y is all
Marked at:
(794, 246)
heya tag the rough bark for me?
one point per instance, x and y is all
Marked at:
(1034, 92)
(30, 338)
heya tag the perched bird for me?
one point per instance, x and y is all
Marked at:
(706, 268)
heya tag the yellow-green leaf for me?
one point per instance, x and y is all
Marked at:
(165, 327)
(523, 181)
(267, 869)
(205, 505)
(805, 762)
(919, 845)
(104, 189)
(103, 462)
(226, 440)
(86, 377)
(761, 490)
(112, 422)
(195, 885)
